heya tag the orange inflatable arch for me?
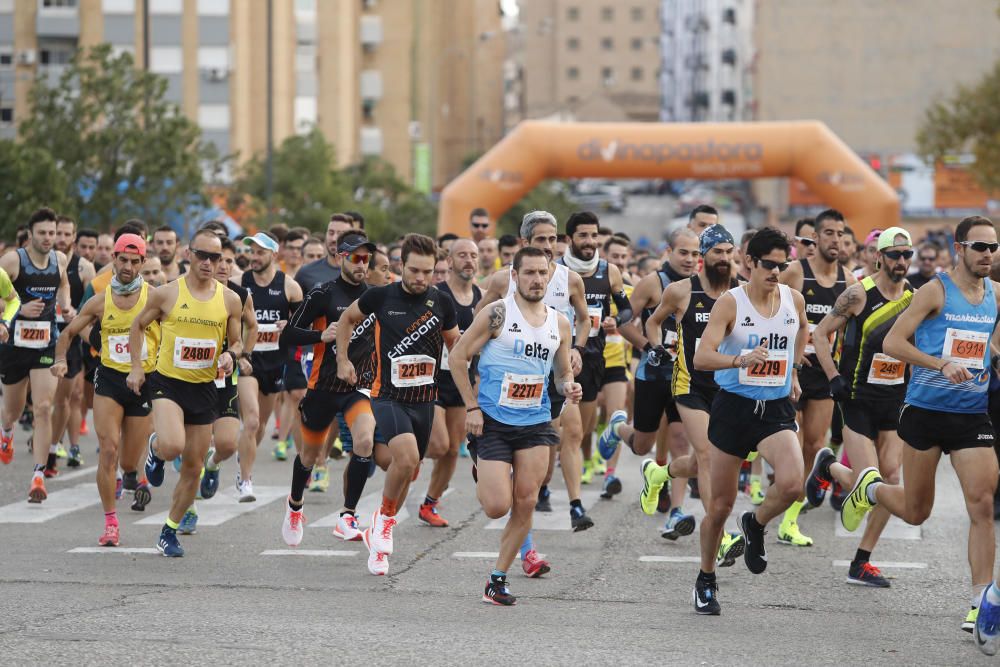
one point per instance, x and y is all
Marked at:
(535, 151)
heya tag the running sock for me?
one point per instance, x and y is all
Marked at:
(210, 463)
(610, 472)
(992, 595)
(666, 471)
(862, 556)
(497, 575)
(357, 477)
(706, 577)
(51, 461)
(528, 545)
(389, 506)
(792, 513)
(870, 492)
(7, 432)
(111, 517)
(171, 524)
(39, 471)
(300, 476)
(346, 512)
(430, 501)
(575, 507)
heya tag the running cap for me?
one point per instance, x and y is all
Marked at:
(263, 240)
(130, 243)
(873, 235)
(888, 238)
(351, 241)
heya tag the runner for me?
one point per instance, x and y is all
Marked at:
(520, 340)
(196, 315)
(508, 247)
(927, 257)
(702, 217)
(38, 273)
(378, 270)
(448, 430)
(805, 238)
(412, 322)
(121, 417)
(754, 341)
(165, 245)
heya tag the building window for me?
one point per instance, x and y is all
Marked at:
(637, 13)
(6, 6)
(573, 13)
(6, 57)
(213, 116)
(58, 4)
(572, 73)
(607, 43)
(637, 43)
(54, 57)
(213, 7)
(608, 14)
(119, 6)
(213, 57)
(637, 74)
(6, 115)
(573, 43)
(166, 6)
(166, 59)
(608, 76)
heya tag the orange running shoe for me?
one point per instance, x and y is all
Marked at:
(110, 536)
(6, 448)
(37, 492)
(83, 427)
(429, 515)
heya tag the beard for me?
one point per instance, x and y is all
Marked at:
(719, 274)
(585, 254)
(413, 289)
(531, 298)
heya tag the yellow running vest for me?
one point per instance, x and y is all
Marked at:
(191, 335)
(617, 351)
(115, 326)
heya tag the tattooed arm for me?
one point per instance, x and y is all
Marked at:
(849, 304)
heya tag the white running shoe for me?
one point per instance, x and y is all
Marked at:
(347, 528)
(381, 532)
(245, 487)
(291, 527)
(378, 562)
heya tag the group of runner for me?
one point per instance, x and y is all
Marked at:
(743, 357)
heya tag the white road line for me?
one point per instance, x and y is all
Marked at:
(669, 559)
(896, 529)
(113, 550)
(888, 564)
(57, 504)
(558, 518)
(224, 506)
(309, 552)
(66, 476)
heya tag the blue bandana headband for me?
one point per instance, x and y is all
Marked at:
(713, 236)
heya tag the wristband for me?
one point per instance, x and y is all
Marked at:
(736, 361)
(475, 408)
(941, 369)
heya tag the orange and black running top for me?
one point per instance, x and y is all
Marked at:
(323, 306)
(408, 340)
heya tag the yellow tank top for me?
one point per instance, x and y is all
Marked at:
(115, 326)
(191, 335)
(617, 352)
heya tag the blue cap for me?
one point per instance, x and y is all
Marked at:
(263, 240)
(713, 236)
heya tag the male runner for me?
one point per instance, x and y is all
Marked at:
(102, 255)
(479, 224)
(293, 252)
(165, 245)
(413, 319)
(520, 340)
(805, 238)
(448, 430)
(927, 257)
(196, 315)
(121, 417)
(508, 247)
(313, 250)
(820, 279)
(754, 340)
(38, 274)
(378, 270)
(702, 217)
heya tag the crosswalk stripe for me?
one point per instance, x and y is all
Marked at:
(558, 518)
(669, 559)
(366, 507)
(224, 506)
(309, 552)
(66, 476)
(888, 564)
(57, 504)
(113, 550)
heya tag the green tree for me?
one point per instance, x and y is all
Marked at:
(29, 179)
(547, 196)
(124, 151)
(391, 207)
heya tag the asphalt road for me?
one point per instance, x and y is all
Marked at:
(618, 593)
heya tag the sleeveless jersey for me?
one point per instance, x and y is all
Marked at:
(819, 301)
(191, 335)
(230, 380)
(597, 290)
(556, 293)
(463, 315)
(617, 351)
(34, 283)
(870, 373)
(689, 330)
(75, 282)
(514, 368)
(771, 379)
(270, 304)
(115, 326)
(961, 334)
(668, 333)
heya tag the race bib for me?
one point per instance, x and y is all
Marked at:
(194, 353)
(444, 358)
(118, 349)
(521, 391)
(267, 338)
(773, 372)
(412, 370)
(596, 317)
(965, 348)
(34, 335)
(810, 349)
(885, 370)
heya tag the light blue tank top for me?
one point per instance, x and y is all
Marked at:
(960, 333)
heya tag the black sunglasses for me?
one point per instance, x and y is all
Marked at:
(807, 242)
(481, 225)
(896, 254)
(927, 258)
(980, 246)
(202, 255)
(771, 265)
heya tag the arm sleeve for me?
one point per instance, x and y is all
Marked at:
(624, 307)
(299, 329)
(371, 300)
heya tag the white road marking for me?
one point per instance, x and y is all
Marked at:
(224, 506)
(366, 507)
(57, 504)
(558, 518)
(66, 476)
(113, 550)
(896, 529)
(309, 552)
(888, 564)
(669, 559)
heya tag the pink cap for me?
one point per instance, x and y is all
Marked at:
(873, 236)
(131, 243)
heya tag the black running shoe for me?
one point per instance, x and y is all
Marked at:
(866, 574)
(543, 504)
(497, 593)
(130, 481)
(817, 483)
(580, 521)
(753, 537)
(838, 495)
(693, 486)
(706, 598)
(141, 497)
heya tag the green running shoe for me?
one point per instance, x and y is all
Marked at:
(857, 506)
(730, 549)
(653, 479)
(281, 450)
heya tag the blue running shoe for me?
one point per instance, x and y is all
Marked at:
(168, 544)
(154, 465)
(177, 464)
(609, 440)
(612, 487)
(189, 524)
(987, 630)
(678, 524)
(210, 478)
(463, 450)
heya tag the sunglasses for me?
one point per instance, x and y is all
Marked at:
(897, 254)
(807, 242)
(202, 255)
(356, 257)
(481, 225)
(980, 246)
(771, 265)
(927, 258)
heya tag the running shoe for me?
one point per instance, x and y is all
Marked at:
(857, 506)
(381, 532)
(337, 450)
(141, 497)
(154, 464)
(61, 452)
(817, 484)
(320, 480)
(693, 488)
(579, 520)
(75, 460)
(168, 544)
(292, 526)
(706, 598)
(789, 533)
(730, 549)
(756, 494)
(612, 487)
(6, 448)
(463, 450)
(608, 443)
(754, 554)
(533, 564)
(50, 472)
(245, 489)
(653, 478)
(837, 497)
(189, 522)
(987, 630)
(678, 524)
(130, 480)
(429, 515)
(83, 427)
(110, 536)
(378, 562)
(347, 528)
(280, 450)
(119, 486)
(588, 471)
(663, 502)
(543, 504)
(969, 624)
(37, 493)
(600, 465)
(497, 593)
(209, 484)
(866, 574)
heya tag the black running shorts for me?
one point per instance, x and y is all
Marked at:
(923, 429)
(228, 400)
(737, 425)
(867, 417)
(448, 394)
(651, 401)
(395, 419)
(614, 374)
(17, 362)
(499, 441)
(197, 400)
(815, 386)
(111, 384)
(294, 378)
(591, 378)
(74, 359)
(319, 408)
(697, 398)
(270, 380)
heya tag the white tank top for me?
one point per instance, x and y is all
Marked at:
(556, 294)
